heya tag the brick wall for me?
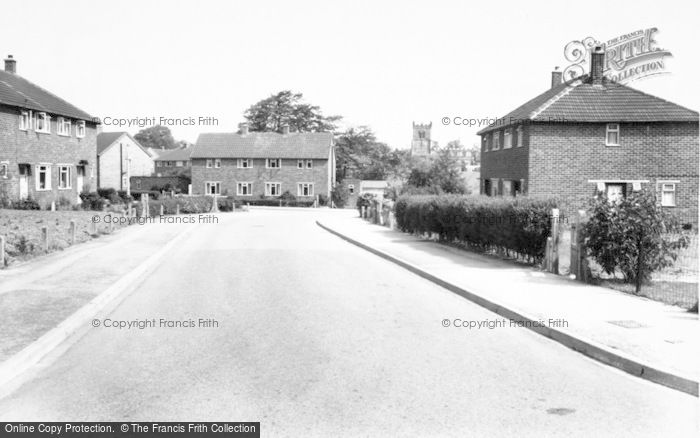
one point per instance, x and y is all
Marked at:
(509, 164)
(288, 175)
(30, 147)
(564, 157)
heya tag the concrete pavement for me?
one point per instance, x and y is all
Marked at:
(316, 337)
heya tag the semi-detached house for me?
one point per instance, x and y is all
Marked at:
(47, 145)
(590, 135)
(254, 165)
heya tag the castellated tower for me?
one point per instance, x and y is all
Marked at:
(421, 143)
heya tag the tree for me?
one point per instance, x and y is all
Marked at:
(156, 137)
(287, 108)
(440, 174)
(360, 155)
(633, 235)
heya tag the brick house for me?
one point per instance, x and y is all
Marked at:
(590, 135)
(264, 164)
(119, 157)
(47, 145)
(173, 161)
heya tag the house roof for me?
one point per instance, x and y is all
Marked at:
(106, 139)
(180, 154)
(582, 101)
(264, 145)
(19, 92)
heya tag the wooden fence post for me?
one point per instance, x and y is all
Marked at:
(71, 232)
(177, 208)
(554, 268)
(215, 205)
(45, 238)
(2, 251)
(162, 209)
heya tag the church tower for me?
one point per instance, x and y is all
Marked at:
(421, 143)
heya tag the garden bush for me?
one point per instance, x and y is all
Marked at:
(26, 204)
(518, 224)
(634, 235)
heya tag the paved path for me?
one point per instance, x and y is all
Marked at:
(317, 337)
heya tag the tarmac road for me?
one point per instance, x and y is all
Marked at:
(312, 336)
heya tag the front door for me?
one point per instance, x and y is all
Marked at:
(23, 181)
(80, 181)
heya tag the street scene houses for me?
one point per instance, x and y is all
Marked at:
(254, 165)
(174, 160)
(47, 145)
(119, 157)
(591, 135)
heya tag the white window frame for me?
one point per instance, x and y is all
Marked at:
(269, 161)
(63, 127)
(519, 136)
(507, 139)
(611, 128)
(247, 161)
(309, 187)
(300, 164)
(268, 188)
(248, 185)
(69, 180)
(309, 164)
(485, 140)
(351, 189)
(47, 179)
(217, 163)
(25, 120)
(673, 190)
(209, 184)
(46, 119)
(496, 141)
(4, 169)
(80, 129)
(209, 164)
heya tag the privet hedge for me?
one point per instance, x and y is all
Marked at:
(515, 224)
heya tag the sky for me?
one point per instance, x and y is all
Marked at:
(383, 64)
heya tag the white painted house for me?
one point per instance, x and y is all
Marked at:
(119, 157)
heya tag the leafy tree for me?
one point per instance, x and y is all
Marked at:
(156, 137)
(633, 235)
(440, 174)
(360, 155)
(287, 108)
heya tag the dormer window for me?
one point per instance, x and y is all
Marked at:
(25, 120)
(63, 126)
(273, 163)
(612, 134)
(80, 129)
(43, 123)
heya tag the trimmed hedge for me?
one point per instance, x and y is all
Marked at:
(514, 224)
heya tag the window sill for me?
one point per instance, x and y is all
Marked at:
(63, 135)
(612, 145)
(43, 190)
(65, 188)
(42, 132)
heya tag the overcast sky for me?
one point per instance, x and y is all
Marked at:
(381, 64)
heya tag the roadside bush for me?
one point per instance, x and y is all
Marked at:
(513, 224)
(152, 194)
(92, 201)
(26, 204)
(634, 235)
(339, 197)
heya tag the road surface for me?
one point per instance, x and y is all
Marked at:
(312, 336)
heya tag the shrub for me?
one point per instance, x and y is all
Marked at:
(339, 197)
(632, 235)
(26, 204)
(322, 199)
(92, 201)
(516, 224)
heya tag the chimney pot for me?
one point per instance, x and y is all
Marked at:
(285, 129)
(556, 77)
(10, 64)
(243, 127)
(597, 64)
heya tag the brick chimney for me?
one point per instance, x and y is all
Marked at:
(285, 129)
(597, 61)
(243, 127)
(556, 77)
(10, 64)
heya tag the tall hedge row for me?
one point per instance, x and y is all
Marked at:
(516, 224)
